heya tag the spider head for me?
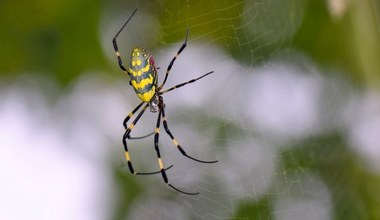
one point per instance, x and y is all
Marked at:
(153, 103)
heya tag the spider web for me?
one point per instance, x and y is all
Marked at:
(294, 135)
(269, 114)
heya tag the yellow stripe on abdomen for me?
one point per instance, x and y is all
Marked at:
(142, 83)
(147, 96)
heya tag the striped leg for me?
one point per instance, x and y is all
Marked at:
(185, 83)
(172, 61)
(125, 136)
(160, 162)
(130, 115)
(175, 142)
(117, 53)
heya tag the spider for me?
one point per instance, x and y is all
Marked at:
(143, 78)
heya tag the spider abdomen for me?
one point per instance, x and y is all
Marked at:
(143, 74)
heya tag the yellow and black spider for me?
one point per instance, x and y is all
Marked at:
(143, 78)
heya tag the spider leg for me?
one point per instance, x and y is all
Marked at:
(130, 115)
(140, 137)
(185, 83)
(175, 142)
(125, 137)
(117, 53)
(172, 61)
(160, 162)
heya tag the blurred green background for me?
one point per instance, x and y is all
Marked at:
(63, 38)
(60, 52)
